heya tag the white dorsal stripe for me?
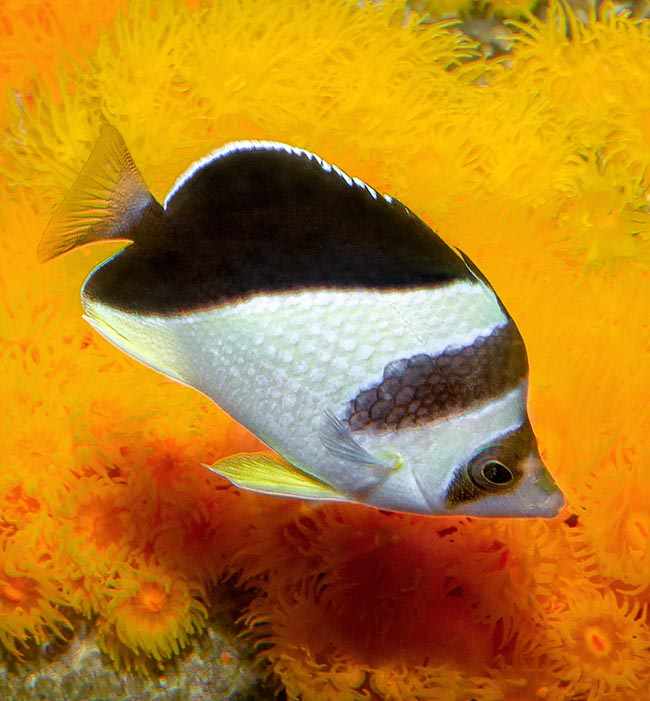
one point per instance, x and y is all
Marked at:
(328, 328)
(238, 146)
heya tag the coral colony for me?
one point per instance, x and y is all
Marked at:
(537, 162)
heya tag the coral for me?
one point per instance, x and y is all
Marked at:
(512, 8)
(599, 642)
(472, 9)
(536, 163)
(36, 34)
(443, 8)
(151, 615)
(220, 666)
(30, 597)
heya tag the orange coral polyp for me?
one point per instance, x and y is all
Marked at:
(19, 591)
(99, 522)
(153, 597)
(605, 640)
(636, 530)
(28, 605)
(597, 641)
(157, 615)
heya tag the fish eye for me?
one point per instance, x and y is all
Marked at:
(496, 472)
(489, 473)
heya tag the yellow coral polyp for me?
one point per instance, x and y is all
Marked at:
(156, 615)
(152, 597)
(597, 641)
(99, 522)
(604, 639)
(445, 8)
(619, 547)
(21, 592)
(511, 8)
(636, 529)
(28, 605)
(606, 225)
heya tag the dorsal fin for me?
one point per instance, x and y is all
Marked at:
(255, 147)
(109, 200)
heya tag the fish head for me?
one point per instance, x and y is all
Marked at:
(507, 477)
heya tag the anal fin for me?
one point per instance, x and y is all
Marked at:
(267, 474)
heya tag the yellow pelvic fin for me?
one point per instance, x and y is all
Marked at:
(109, 200)
(261, 472)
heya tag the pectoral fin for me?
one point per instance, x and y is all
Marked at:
(267, 474)
(339, 441)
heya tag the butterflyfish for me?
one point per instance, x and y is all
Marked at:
(376, 361)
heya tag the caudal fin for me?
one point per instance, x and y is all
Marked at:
(108, 200)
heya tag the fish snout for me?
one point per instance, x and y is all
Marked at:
(545, 498)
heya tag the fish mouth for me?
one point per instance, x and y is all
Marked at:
(549, 507)
(544, 496)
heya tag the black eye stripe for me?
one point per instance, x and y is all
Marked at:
(472, 482)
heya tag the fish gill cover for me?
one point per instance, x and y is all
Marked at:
(536, 163)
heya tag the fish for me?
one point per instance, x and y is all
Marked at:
(375, 361)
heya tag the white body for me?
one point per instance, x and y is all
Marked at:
(278, 363)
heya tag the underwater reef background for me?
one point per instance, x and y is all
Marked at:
(535, 159)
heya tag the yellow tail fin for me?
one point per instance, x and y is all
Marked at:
(107, 201)
(260, 472)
